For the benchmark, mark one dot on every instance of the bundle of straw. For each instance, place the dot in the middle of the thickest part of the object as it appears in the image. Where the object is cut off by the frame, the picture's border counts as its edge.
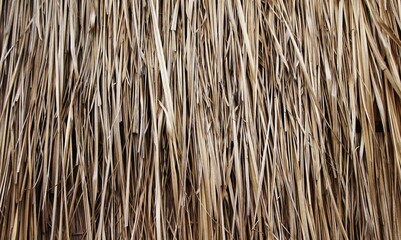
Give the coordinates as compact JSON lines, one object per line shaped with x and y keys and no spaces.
{"x":183,"y":119}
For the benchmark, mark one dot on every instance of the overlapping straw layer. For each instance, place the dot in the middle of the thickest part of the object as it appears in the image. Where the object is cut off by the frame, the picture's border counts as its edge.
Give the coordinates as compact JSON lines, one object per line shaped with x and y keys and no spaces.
{"x":200,"y":119}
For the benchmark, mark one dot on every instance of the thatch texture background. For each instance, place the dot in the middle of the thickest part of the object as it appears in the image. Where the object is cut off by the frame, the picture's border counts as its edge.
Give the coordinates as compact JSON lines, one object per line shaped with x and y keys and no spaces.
{"x":200,"y":119}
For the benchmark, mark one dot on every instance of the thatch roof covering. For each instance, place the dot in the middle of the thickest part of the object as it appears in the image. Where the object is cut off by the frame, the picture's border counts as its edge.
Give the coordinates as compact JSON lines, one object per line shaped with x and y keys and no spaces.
{"x":200,"y":119}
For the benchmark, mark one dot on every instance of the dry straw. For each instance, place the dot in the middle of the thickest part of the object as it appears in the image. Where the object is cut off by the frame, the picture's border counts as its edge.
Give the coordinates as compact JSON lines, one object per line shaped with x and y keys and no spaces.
{"x":200,"y":119}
